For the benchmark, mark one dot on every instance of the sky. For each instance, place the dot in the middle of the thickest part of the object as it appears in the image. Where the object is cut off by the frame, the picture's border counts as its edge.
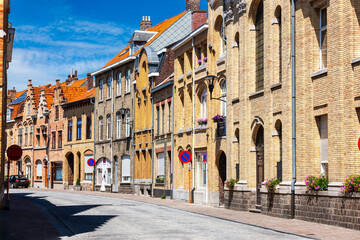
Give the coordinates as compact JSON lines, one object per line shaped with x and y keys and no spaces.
{"x":51,"y":37}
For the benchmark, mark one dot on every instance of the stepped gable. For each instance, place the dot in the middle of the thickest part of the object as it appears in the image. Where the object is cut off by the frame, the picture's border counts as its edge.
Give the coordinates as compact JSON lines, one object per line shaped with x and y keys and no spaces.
{"x":159,"y":28}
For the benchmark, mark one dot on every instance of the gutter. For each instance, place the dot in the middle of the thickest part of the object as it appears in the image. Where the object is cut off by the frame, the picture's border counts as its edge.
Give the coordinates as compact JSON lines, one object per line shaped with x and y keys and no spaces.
{"x":162,"y":86}
{"x":293,"y":90}
{"x":172,"y":143}
{"x":191,"y":35}
{"x":128,"y":59}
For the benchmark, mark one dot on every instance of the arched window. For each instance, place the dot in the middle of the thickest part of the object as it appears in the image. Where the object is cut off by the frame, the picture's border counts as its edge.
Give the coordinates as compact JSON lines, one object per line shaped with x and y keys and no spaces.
{"x":128,"y":82}
{"x":118,"y":125}
{"x":127,"y":122}
{"x":203,"y":106}
{"x":101,"y":128}
{"x":223,"y":97}
{"x":278,"y":17}
{"x":220,"y":38}
{"x":259,"y":26}
{"x":101,"y":90}
{"x":108,"y":83}
{"x":118,"y":85}
{"x":108,"y":126}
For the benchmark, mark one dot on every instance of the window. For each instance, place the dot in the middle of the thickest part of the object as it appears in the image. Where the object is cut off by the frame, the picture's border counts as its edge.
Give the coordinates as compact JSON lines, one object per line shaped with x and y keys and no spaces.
{"x":79,"y":129}
{"x":26,"y":136}
{"x":201,"y":169}
{"x":108,"y":127}
{"x":53,"y":140}
{"x":99,"y":172}
{"x":8,"y":114}
{"x":88,"y":127}
{"x":31,"y":135}
{"x":280,"y":43}
{"x":203,"y":107}
{"x":163,"y":119}
{"x":11,"y":138}
{"x":60,"y":139}
{"x":127,"y":122}
{"x":118,"y":85}
{"x":158,"y":120}
{"x":101,"y":90}
{"x":118,"y":125}
{"x":125,"y":169}
{"x":108,"y":83}
{"x":323,"y":38}
{"x":169,"y":122}
{"x":160,"y":167}
{"x":324,"y":144}
{"x":223,"y":40}
{"x":28,"y":109}
{"x":20,"y":137}
{"x":58,"y":171}
{"x":128,"y":81}
{"x":101,"y":128}
{"x":223,"y":97}
{"x":56,"y":112}
{"x":88,"y":169}
{"x":259,"y":26}
{"x":39,"y":169}
{"x":70,"y":130}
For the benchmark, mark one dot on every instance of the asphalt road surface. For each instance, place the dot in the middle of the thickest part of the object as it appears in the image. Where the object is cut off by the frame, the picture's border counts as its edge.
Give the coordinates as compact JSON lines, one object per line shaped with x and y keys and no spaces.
{"x":80,"y":216}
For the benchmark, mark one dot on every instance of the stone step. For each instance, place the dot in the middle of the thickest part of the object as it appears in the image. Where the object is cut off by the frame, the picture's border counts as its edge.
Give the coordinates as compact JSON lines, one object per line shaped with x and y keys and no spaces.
{"x":254,"y":210}
{"x":258,"y":206}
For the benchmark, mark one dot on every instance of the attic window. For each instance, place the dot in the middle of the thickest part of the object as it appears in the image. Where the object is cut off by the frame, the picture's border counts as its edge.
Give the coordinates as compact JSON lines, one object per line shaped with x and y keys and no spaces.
{"x":124,"y":52}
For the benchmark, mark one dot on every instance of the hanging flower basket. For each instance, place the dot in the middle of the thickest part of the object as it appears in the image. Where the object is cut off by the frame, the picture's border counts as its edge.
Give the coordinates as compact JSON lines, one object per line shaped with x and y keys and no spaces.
{"x":205,"y":60}
{"x":199,"y":61}
{"x":202,"y":121}
{"x":218,"y":118}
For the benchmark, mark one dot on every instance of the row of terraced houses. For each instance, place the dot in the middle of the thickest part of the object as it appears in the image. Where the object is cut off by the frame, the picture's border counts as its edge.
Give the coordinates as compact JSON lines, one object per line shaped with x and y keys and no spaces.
{"x":253,"y":89}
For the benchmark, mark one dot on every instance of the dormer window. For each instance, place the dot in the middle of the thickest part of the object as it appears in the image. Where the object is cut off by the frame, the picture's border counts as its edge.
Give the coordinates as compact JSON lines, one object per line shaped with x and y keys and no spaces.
{"x":131,"y":48}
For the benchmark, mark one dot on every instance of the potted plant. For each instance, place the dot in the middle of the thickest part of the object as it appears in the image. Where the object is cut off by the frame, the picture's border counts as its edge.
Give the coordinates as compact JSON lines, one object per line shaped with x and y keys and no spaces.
{"x":159,"y":180}
{"x":351,"y":184}
{"x":202,"y":121}
{"x":218,"y":118}
{"x":314,"y":183}
{"x":78,"y":186}
{"x":272,"y":183}
{"x":199,"y":62}
{"x":230,"y":183}
{"x":205,"y":60}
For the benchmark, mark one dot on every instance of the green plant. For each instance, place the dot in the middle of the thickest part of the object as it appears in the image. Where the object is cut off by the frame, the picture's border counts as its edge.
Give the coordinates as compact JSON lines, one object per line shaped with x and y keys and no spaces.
{"x":272,"y":183}
{"x":351,"y":184}
{"x":78,"y":182}
{"x":6,"y":175}
{"x":230,"y":183}
{"x":163,"y":196}
{"x":159,"y":180}
{"x":314,"y":183}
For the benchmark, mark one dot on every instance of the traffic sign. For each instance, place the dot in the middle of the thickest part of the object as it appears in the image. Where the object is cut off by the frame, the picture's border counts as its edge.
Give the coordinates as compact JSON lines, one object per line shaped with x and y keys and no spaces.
{"x":91,"y":162}
{"x":185,"y":156}
{"x":14,"y":152}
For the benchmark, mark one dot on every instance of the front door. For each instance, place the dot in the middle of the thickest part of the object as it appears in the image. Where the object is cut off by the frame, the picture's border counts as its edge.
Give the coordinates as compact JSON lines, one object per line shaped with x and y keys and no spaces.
{"x":71,"y":170}
{"x":222,"y":178}
{"x":259,"y":163}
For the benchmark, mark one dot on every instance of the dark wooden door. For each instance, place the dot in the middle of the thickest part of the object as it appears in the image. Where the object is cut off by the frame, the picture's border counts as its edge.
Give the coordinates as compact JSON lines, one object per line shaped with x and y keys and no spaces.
{"x":71,"y":170}
{"x":222,"y":178}
{"x":259,"y":163}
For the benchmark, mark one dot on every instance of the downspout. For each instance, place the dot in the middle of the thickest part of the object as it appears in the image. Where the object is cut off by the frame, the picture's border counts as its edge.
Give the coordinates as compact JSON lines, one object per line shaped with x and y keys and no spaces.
{"x":152,"y":142}
{"x":172,"y":142}
{"x":33,"y":153}
{"x":293,"y":109}
{"x":133,"y":134}
{"x":93,"y":185}
{"x":193,"y":115}
{"x":112,"y":127}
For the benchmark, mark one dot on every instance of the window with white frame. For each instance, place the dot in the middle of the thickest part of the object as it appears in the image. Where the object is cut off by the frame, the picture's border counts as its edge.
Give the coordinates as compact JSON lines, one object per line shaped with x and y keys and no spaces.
{"x":118,"y":125}
{"x":323,"y":38}
{"x":101,"y":90}
{"x":118,"y":85}
{"x":125,"y":169}
{"x":160,"y":173}
{"x":223,"y":98}
{"x":31,"y":135}
{"x":20,"y":137}
{"x":101,"y":128}
{"x":223,"y":40}
{"x":108,"y":84}
{"x":26,"y":136}
{"x":99,"y":172}
{"x":201,"y":169}
{"x":8,"y":114}
{"x":28,"y":109}
{"x":127,"y":122}
{"x":39,"y":169}
{"x":108,"y":126}
{"x":128,"y":81}
{"x":324,"y":144}
{"x":203,"y":106}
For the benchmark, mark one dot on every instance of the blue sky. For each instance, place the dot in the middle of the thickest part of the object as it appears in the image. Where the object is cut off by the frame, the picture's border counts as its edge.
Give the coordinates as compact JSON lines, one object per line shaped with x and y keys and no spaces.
{"x":54,"y":36}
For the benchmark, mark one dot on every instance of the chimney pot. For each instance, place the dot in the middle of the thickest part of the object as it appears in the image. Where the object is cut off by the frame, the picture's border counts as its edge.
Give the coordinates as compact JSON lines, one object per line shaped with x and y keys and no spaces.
{"x":192,"y":5}
{"x":145,"y":24}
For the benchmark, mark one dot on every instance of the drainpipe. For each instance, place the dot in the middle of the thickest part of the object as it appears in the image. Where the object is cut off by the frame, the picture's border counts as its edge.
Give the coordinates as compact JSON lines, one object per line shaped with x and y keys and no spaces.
{"x":33,"y":154}
{"x":152,"y":141}
{"x":133,"y":134}
{"x":293,"y":109}
{"x":193,"y":114}
{"x":93,"y":185}
{"x":172,"y":143}
{"x":112,"y":126}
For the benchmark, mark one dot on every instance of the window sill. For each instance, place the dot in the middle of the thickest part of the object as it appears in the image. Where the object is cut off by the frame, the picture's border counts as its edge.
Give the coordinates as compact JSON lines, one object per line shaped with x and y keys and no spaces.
{"x":118,"y":96}
{"x":221,"y":59}
{"x":276,"y":86}
{"x":127,"y":93}
{"x":319,"y":73}
{"x":58,"y":181}
{"x":201,"y":67}
{"x":355,"y":61}
{"x":181,"y":77}
{"x":235,"y":100}
{"x":189,"y":74}
{"x":108,"y":99}
{"x":181,"y":131}
{"x":101,"y":101}
{"x":257,"y":94}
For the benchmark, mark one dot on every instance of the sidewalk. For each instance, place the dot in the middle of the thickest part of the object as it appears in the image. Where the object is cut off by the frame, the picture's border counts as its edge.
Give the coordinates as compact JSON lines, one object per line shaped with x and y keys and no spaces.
{"x":25,"y":220}
{"x":298,"y":227}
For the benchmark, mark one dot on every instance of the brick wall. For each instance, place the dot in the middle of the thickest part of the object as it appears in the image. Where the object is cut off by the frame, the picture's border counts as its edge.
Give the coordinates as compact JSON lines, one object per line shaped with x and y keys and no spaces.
{"x":198,"y":18}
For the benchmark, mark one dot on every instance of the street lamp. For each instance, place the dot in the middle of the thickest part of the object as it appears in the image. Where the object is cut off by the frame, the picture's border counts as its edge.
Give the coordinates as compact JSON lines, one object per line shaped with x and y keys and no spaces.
{"x":210,"y":79}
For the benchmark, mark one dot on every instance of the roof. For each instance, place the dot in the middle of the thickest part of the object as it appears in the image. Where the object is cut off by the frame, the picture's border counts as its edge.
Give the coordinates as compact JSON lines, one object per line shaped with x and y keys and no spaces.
{"x":159,"y":29}
{"x":167,"y":82}
{"x":141,"y":36}
{"x":87,"y":95}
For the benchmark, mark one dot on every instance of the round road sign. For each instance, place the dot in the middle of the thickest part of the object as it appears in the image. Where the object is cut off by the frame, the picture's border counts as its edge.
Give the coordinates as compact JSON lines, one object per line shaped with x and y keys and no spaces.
{"x":14,"y":152}
{"x":91,"y":162}
{"x":185,"y":156}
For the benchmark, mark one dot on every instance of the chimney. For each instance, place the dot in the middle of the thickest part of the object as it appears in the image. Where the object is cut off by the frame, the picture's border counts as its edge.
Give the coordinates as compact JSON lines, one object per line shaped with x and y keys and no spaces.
{"x":146,"y":23}
{"x":198,"y":18}
{"x":11,"y":94}
{"x":192,"y":5}
{"x":57,"y":82}
{"x":29,"y":83}
{"x":76,"y":78}
{"x":90,"y":81}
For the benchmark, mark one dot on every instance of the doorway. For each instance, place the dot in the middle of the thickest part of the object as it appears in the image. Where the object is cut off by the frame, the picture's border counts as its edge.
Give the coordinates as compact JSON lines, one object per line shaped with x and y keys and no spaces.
{"x":259,"y":163}
{"x":70,"y":160}
{"x":116,"y":188}
{"x":222,"y":177}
